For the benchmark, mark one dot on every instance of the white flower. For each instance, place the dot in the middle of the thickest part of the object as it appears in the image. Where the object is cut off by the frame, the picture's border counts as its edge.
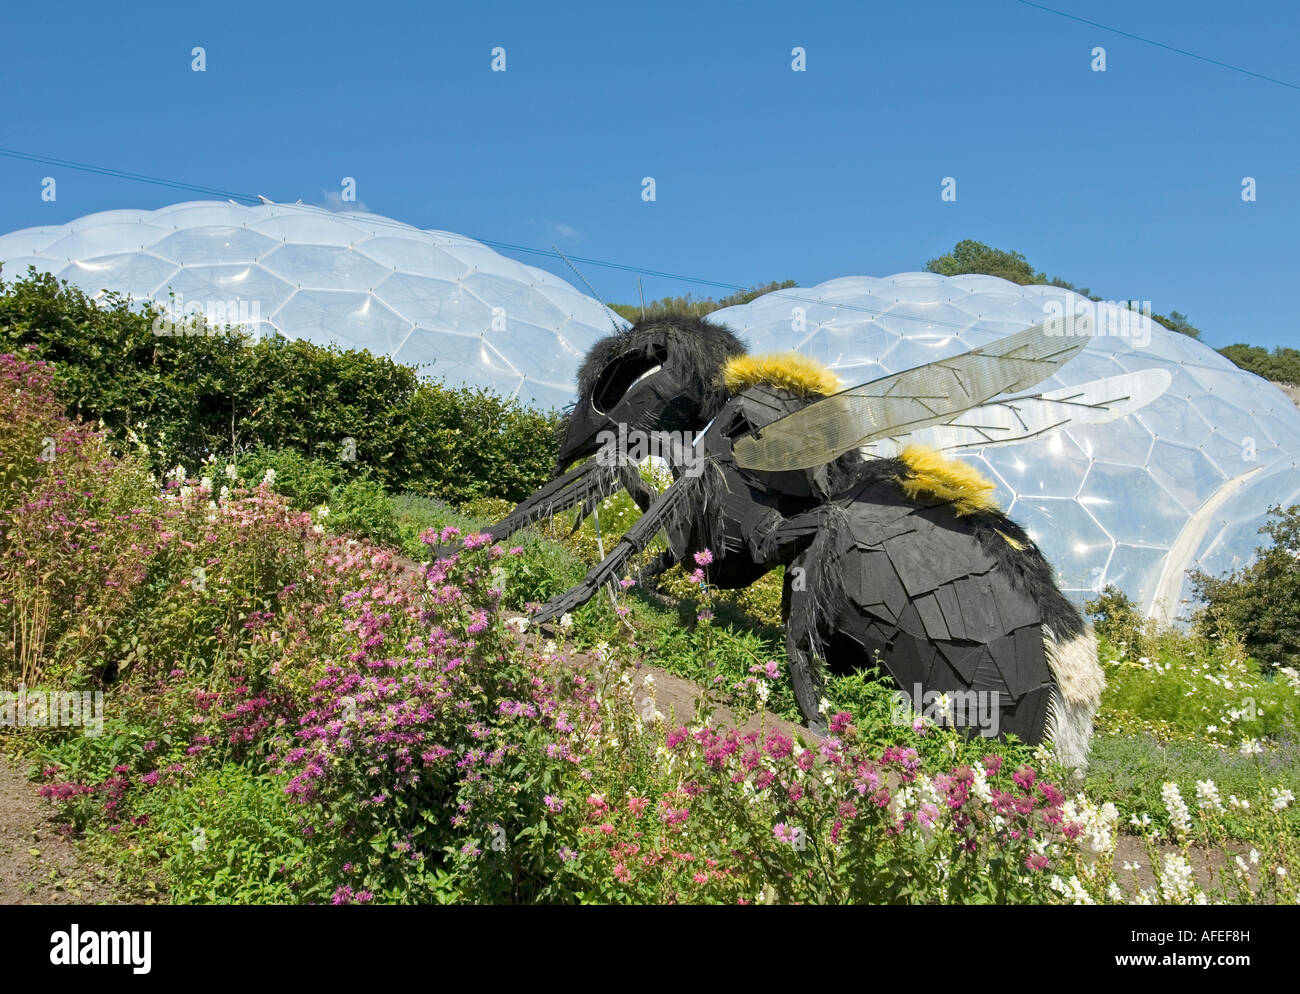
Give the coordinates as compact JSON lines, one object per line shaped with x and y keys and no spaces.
{"x":1251,"y":747}
{"x":232,"y":472}
{"x":1242,"y":805}
{"x":566,"y":622}
{"x":1176,"y":807}
{"x":823,"y":706}
{"x":1207,"y":795}
{"x":323,"y":511}
{"x":225,"y":494}
{"x":519,"y":624}
{"x":1113,"y":893}
{"x":1071,"y":889}
{"x":269,"y":477}
{"x":1177,"y":885}
{"x":1282,"y":798}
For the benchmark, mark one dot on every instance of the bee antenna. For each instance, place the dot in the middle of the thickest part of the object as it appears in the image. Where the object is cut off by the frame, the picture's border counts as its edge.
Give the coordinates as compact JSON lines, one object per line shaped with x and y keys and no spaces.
{"x":590,"y":288}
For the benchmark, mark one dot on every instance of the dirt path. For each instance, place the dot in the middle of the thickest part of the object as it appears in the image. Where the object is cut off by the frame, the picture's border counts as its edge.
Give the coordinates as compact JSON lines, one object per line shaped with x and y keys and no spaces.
{"x":38,"y":865}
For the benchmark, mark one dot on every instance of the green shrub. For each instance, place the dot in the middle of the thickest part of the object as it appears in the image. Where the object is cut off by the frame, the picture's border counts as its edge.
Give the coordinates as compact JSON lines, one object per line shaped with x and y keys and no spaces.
{"x":307,"y":482}
{"x":1260,"y":604}
{"x":361,"y":507}
{"x":229,"y":837}
{"x":184,"y":399}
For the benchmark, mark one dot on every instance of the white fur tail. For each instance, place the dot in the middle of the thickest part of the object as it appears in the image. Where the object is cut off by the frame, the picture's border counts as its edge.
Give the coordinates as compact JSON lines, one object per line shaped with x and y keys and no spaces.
{"x":1076,"y":697}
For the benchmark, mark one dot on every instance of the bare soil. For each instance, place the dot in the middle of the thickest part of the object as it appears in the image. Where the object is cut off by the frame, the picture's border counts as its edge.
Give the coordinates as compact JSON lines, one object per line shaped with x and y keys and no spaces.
{"x":38,"y":863}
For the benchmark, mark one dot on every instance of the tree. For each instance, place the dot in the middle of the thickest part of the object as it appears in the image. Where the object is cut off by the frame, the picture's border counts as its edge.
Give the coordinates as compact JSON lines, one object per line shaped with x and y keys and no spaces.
{"x":1260,"y":603}
{"x":970,"y":256}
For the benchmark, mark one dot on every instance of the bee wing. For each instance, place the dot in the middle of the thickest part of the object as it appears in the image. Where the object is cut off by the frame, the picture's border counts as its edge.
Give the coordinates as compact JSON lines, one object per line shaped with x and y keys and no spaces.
{"x":1001,"y":422}
{"x":916,"y":398}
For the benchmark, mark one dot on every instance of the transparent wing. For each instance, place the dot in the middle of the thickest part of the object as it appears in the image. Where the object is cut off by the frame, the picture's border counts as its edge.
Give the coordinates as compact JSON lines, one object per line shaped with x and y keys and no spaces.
{"x":916,"y":398}
{"x":1001,"y":422}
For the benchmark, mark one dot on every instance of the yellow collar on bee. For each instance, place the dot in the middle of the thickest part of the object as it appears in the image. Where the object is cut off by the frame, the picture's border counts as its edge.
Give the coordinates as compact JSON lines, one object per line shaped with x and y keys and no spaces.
{"x":932,"y":473}
{"x":792,"y":371}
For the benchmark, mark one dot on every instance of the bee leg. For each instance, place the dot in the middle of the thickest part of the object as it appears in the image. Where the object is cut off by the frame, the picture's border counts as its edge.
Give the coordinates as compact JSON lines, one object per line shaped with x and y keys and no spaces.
{"x":807,"y":687}
{"x":805,"y":679}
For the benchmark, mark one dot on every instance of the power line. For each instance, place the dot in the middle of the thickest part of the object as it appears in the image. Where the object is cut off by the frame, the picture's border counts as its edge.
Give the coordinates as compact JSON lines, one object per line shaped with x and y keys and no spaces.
{"x":1160,"y":44}
{"x":379,"y":221}
{"x":123,"y":174}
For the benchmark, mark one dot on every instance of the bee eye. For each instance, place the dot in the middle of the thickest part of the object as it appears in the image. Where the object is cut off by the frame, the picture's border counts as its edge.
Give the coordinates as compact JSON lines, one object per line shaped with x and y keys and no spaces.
{"x":624,"y":373}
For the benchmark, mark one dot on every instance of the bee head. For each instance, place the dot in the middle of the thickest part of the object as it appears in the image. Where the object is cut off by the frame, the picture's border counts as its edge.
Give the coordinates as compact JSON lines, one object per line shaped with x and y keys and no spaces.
{"x":662,"y":374}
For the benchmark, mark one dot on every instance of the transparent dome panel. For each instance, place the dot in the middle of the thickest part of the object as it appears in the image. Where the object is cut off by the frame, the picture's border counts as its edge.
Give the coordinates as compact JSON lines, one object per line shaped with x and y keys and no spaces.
{"x":246,"y":282}
{"x":134,"y":274}
{"x":322,"y":267}
{"x":214,"y":245}
{"x":358,"y":320}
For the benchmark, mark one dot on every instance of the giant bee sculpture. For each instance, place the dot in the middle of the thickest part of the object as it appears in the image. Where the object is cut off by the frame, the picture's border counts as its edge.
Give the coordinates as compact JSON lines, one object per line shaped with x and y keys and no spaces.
{"x":892,"y":551}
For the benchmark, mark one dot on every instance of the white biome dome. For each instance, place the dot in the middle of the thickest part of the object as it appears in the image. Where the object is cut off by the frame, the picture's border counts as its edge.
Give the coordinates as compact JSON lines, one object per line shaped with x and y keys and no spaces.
{"x":358,"y":280}
{"x":1184,"y":482}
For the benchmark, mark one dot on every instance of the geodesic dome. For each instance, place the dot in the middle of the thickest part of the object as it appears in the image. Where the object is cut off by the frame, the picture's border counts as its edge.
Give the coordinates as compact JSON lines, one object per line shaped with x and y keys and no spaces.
{"x":358,"y":280}
{"x":1184,"y":482}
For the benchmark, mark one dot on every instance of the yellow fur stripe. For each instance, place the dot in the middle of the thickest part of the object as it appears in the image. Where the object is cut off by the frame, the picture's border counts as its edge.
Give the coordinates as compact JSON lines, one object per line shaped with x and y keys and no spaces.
{"x":792,"y":371}
{"x":930,"y":472}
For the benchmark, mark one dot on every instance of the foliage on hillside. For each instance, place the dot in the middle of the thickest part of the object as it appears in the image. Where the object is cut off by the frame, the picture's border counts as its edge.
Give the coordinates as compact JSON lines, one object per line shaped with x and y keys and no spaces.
{"x":698,"y":307}
{"x":1282,"y":365}
{"x":970,"y":256}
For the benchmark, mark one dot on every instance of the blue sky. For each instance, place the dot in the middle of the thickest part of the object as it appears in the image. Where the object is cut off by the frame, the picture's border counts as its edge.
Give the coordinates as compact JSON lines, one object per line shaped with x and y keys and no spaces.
{"x":1127,"y":181}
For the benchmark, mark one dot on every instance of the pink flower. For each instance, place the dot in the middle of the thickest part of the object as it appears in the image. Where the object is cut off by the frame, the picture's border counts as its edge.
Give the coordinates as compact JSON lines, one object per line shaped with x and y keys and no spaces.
{"x":703,"y":557}
{"x":783,"y":832}
{"x":779,"y":746}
